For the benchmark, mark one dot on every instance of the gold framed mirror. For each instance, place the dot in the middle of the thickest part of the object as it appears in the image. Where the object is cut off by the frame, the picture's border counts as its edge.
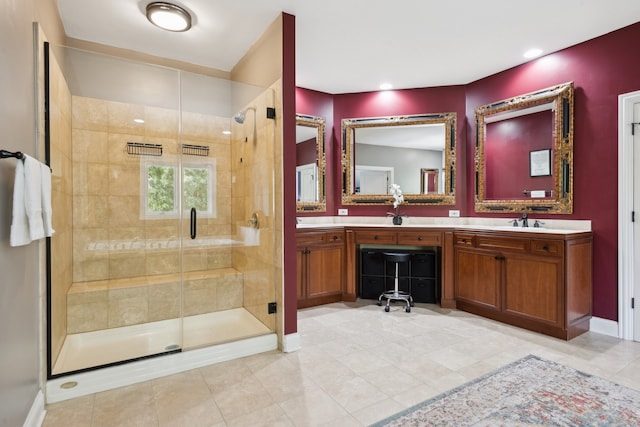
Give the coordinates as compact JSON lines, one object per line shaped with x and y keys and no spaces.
{"x":380,"y":151}
{"x":310,"y":164}
{"x":524,"y":153}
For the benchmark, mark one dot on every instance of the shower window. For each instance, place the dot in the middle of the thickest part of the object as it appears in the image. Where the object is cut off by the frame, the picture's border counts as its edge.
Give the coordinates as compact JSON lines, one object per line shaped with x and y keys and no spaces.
{"x":159,"y":194}
{"x":161,"y":190}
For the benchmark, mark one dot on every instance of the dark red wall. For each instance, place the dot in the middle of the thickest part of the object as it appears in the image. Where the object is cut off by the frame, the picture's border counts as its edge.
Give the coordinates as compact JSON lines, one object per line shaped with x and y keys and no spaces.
{"x":288,"y":117}
{"x":320,"y":104}
{"x":450,"y":99}
{"x":601,"y":69}
{"x":306,"y":152}
{"x":511,"y":141}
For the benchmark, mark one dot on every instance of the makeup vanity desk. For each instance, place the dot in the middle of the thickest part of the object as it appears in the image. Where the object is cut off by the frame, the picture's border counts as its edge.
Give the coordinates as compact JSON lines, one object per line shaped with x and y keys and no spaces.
{"x":535,"y":278}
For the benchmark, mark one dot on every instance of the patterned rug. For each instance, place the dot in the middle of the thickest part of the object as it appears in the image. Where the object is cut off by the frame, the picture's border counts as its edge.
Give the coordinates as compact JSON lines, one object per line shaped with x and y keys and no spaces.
{"x":529,"y":392}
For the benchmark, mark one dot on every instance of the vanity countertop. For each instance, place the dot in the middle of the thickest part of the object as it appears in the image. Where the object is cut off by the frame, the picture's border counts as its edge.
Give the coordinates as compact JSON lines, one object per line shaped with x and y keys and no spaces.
{"x":549,"y":226}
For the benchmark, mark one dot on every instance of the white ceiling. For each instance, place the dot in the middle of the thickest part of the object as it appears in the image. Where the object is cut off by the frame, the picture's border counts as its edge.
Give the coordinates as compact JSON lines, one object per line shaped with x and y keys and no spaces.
{"x":345,"y":46}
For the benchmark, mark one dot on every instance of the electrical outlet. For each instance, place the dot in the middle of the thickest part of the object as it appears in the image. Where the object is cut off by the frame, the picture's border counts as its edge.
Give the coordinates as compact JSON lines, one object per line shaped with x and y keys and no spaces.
{"x":343,"y":212}
{"x":454,"y":213}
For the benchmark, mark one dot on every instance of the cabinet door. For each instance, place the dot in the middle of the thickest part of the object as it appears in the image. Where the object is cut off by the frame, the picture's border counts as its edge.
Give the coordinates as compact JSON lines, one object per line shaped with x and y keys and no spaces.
{"x":301,"y":272}
{"x":533,"y":288}
{"x":325,"y":267}
{"x":477,"y":278}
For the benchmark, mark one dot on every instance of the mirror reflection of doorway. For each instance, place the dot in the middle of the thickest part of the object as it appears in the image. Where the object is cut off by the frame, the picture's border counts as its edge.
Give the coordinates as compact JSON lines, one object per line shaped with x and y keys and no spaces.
{"x":429,"y":181}
{"x":306,"y":183}
{"x":373,"y":179}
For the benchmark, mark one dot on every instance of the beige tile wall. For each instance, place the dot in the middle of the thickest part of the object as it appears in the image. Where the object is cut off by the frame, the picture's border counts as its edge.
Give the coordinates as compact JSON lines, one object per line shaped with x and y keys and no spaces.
{"x":106,"y":208}
{"x":118,"y":279}
{"x":61,"y":202}
{"x":255,"y":166}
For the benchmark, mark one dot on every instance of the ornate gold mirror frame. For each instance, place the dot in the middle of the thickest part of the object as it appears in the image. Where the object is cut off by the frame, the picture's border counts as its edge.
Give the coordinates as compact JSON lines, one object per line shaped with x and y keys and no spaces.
{"x":392,"y":131}
{"x":558,"y":100}
{"x":318,"y":202}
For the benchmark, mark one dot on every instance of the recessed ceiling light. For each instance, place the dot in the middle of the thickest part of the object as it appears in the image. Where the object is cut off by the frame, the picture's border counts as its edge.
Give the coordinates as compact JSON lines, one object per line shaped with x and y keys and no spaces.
{"x":532,"y":53}
{"x":226,"y":132}
{"x":168,"y":16}
{"x":385,"y":86}
{"x":138,"y":121}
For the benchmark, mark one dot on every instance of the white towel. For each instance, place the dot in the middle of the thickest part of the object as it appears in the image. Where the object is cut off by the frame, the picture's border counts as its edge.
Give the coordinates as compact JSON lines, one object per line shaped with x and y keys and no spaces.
{"x":31,"y":192}
{"x":19,"y":225}
{"x":33,"y":196}
{"x":46,"y":200}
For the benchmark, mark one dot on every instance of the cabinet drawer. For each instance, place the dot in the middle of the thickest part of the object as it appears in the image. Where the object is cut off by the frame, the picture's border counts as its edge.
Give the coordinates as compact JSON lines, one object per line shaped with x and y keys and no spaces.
{"x":503,"y":244}
{"x":308,"y":238}
{"x":461,"y":239}
{"x":334,"y":237}
{"x":375,"y":237}
{"x":420,"y":238}
{"x":546,"y":247}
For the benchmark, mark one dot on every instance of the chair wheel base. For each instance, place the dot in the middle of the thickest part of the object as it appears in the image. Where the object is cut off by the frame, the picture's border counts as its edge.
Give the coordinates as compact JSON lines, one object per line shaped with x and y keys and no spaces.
{"x":387,"y":309}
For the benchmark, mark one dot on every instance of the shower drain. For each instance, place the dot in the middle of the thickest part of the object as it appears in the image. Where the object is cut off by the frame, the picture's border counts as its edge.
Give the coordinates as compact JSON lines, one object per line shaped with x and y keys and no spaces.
{"x":172,"y":347}
{"x":68,"y":385}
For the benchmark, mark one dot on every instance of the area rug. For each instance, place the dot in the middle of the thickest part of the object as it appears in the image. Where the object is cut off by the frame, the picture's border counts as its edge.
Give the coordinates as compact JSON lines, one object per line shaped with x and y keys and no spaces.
{"x":529,"y":392}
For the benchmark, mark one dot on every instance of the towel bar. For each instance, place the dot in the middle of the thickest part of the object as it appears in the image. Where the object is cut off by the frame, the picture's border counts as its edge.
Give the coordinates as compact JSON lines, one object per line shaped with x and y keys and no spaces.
{"x":4,"y":154}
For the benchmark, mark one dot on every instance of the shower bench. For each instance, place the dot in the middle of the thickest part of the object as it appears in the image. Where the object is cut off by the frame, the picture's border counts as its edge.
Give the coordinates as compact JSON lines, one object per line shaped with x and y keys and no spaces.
{"x":113,"y":303}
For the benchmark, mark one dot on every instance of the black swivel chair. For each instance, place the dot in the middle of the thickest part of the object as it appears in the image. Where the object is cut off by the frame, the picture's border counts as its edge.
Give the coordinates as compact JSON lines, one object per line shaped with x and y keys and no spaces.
{"x":395,"y":294}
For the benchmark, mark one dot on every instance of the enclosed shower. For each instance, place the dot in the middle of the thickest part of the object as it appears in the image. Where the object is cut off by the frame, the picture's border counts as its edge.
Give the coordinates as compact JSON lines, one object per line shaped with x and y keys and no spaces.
{"x":165,"y":215}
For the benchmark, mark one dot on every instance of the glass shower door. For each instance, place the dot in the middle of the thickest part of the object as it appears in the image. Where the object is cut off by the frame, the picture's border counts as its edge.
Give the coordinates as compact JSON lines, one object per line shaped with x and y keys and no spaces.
{"x":115,"y":280}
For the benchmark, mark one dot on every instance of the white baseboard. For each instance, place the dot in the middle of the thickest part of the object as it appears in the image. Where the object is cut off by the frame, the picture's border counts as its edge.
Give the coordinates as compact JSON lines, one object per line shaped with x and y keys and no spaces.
{"x":37,"y":412}
{"x":291,"y":343}
{"x":604,"y":326}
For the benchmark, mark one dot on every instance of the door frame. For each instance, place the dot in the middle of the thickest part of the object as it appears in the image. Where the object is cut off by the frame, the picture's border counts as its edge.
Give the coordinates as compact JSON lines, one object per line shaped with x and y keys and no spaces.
{"x":625,"y":207}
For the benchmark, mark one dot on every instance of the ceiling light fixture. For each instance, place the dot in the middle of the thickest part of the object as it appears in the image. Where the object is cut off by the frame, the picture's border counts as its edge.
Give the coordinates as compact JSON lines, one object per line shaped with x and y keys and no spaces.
{"x":385,"y":86}
{"x":532,"y":53}
{"x":168,"y":16}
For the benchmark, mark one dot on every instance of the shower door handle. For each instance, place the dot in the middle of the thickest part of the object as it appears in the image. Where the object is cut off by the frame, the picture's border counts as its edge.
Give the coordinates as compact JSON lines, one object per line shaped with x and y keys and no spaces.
{"x":193,"y":223}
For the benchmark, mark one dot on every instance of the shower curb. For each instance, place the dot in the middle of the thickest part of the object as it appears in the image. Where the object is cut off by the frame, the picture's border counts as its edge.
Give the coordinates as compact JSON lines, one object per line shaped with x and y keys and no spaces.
{"x":148,"y":369}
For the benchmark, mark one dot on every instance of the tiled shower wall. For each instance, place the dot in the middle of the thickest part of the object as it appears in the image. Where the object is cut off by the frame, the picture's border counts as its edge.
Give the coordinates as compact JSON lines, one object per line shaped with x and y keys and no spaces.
{"x":256,"y":166}
{"x":108,"y":229}
{"x":125,"y":268}
{"x":61,"y":202}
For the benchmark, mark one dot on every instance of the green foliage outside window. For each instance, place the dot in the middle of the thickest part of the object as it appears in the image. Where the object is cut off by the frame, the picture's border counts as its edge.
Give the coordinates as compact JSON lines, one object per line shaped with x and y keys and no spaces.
{"x":196,"y":185}
{"x":161,"y":188}
{"x":162,"y":185}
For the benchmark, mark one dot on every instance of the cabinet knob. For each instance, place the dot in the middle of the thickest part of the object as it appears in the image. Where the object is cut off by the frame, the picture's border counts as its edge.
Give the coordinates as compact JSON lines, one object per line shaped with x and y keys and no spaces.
{"x":375,"y":237}
{"x":419,"y":238}
{"x":545,"y":248}
{"x":335,"y":237}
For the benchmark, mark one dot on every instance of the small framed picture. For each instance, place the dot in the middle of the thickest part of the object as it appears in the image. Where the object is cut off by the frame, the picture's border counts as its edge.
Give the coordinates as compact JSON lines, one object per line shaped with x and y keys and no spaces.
{"x":540,"y":163}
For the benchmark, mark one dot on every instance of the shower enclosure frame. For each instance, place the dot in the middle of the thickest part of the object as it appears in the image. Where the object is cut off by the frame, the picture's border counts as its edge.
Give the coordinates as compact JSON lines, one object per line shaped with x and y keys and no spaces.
{"x":49,"y":359}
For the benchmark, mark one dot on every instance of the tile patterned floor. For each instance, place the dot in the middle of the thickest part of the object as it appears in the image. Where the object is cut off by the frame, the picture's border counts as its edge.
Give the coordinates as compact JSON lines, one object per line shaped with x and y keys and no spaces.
{"x":357,"y":365}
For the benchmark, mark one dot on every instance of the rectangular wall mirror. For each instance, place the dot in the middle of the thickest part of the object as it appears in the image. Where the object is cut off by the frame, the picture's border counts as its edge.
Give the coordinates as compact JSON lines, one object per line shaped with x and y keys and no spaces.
{"x":310,"y":164}
{"x":524,"y":153}
{"x":416,"y":152}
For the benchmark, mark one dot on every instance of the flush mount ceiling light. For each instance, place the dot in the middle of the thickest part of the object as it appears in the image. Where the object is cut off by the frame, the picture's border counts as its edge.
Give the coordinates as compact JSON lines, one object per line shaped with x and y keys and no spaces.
{"x":532,"y":53}
{"x":168,"y":16}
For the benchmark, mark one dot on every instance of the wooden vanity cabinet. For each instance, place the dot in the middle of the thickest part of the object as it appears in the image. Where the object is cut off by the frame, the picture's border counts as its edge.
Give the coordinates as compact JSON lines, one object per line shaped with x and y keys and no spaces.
{"x":538,"y":282}
{"x":320,"y":266}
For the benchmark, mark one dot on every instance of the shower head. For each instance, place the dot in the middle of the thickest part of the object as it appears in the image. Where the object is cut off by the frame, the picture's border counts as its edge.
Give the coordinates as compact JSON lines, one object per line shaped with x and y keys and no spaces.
{"x":239,"y":118}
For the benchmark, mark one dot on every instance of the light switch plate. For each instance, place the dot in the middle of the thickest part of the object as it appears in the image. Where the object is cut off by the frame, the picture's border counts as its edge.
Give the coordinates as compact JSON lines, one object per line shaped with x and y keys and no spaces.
{"x":343,"y":212}
{"x":454,"y":213}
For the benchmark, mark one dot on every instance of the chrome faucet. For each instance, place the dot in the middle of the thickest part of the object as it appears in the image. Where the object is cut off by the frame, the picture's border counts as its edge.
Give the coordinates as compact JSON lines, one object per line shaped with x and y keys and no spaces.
{"x":524,"y":219}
